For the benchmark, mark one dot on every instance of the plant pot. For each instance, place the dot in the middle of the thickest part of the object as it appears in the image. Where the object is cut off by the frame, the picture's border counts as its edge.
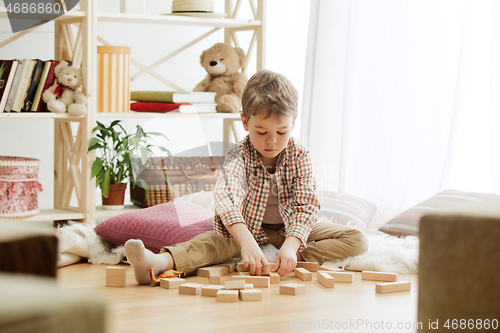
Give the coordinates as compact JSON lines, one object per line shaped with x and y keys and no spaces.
{"x":116,"y":197}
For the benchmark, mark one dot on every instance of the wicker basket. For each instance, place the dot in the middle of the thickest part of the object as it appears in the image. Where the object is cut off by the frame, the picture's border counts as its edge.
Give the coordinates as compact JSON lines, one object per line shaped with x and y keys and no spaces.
{"x":186,"y":174}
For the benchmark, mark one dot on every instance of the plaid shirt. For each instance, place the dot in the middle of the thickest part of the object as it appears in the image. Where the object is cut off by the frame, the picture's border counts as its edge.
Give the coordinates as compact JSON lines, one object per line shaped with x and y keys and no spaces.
{"x":242,"y":191}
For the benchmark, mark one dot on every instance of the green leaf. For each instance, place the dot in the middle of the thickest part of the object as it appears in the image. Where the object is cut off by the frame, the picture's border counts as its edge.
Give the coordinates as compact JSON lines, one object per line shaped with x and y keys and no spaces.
{"x":105,"y":183}
{"x":94,"y":141}
{"x":139,"y":132}
{"x":144,"y":185}
{"x":114,"y":123}
{"x":168,"y":154}
{"x":159,"y":134}
{"x":170,"y":186}
{"x":144,"y":155}
{"x":96,"y":167}
{"x":135,"y":142}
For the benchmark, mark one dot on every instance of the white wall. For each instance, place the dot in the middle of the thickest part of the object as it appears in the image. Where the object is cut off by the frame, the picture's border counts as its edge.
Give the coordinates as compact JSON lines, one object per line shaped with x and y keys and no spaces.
{"x":287,"y":24}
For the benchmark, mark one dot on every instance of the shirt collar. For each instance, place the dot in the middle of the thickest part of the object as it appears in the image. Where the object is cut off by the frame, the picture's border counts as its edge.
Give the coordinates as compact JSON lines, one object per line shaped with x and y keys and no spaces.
{"x":255,"y":161}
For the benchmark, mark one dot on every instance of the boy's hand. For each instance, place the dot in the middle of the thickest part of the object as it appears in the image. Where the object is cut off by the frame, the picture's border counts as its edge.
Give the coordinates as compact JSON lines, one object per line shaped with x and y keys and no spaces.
{"x":250,"y":251}
{"x":286,"y":261}
{"x":252,"y":256}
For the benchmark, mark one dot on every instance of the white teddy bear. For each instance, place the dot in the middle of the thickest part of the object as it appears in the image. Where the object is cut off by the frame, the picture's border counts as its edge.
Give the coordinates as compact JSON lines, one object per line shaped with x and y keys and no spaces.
{"x":66,"y":93}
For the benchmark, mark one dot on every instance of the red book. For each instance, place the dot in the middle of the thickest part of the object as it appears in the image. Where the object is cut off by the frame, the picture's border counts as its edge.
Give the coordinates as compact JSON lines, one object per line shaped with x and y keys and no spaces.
{"x":156,"y":106}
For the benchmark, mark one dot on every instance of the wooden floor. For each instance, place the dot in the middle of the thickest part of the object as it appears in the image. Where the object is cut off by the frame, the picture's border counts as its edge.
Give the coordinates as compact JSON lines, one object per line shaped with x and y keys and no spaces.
{"x":346,"y":308}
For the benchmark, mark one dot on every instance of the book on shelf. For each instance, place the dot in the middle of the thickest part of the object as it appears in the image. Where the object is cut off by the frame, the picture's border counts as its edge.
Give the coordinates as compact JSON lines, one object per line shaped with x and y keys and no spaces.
{"x":35,"y":79}
{"x":15,"y":84}
{"x":23,"y":86}
{"x":32,"y":77}
{"x":8,"y":70}
{"x":173,"y":107}
{"x":39,"y":87}
{"x":49,"y":82}
{"x":172,"y":96}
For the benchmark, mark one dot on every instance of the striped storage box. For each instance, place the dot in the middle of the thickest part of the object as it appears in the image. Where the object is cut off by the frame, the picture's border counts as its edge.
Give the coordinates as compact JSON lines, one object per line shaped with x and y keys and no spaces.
{"x":113,"y":82}
{"x":19,"y":186}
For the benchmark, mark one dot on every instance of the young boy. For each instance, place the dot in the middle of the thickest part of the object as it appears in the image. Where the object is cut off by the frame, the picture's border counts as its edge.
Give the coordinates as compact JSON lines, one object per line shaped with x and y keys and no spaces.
{"x":266,"y":193}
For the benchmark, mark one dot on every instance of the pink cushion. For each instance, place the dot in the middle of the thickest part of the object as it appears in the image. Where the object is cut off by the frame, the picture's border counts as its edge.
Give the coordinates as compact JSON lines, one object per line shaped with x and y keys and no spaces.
{"x":158,"y":226}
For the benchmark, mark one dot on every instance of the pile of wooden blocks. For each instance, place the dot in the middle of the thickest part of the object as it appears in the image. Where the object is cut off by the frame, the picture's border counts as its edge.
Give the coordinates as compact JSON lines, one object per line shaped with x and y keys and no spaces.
{"x":244,"y":286}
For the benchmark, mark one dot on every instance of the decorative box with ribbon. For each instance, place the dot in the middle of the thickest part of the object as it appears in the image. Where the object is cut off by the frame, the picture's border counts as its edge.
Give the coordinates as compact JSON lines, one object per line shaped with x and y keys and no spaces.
{"x":186,"y":175}
{"x":19,"y":186}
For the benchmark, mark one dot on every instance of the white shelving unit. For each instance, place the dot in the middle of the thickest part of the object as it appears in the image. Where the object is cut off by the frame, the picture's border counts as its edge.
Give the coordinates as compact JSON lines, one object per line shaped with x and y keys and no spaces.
{"x":72,"y":163}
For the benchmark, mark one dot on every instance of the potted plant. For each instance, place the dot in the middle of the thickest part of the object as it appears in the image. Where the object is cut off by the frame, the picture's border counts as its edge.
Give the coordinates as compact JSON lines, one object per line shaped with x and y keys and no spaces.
{"x":121,"y":157}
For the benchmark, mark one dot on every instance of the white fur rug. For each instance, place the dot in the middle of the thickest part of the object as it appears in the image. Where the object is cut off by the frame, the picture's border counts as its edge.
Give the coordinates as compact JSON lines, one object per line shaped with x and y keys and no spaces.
{"x":385,"y":254}
{"x":79,"y":240}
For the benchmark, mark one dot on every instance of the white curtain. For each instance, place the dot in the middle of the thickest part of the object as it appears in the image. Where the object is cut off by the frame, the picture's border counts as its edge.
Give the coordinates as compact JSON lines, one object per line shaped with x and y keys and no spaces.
{"x":402,"y":98}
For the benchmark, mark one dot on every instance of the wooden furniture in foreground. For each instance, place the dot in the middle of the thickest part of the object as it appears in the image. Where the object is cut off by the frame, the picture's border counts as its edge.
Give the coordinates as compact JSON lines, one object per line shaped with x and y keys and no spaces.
{"x":449,"y":291}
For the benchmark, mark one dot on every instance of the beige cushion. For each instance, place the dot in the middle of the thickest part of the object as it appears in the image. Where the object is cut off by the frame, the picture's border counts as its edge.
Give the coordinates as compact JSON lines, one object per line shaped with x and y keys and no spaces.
{"x":35,"y":304}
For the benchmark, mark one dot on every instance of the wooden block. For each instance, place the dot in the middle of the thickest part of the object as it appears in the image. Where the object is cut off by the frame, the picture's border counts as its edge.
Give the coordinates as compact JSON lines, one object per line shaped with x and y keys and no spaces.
{"x":207,"y":271}
{"x":211,"y":290}
{"x":269,"y":269}
{"x":248,"y":286}
{"x":275,"y":278}
{"x":346,"y":277}
{"x":379,"y":276}
{"x":326,"y":280}
{"x":227,"y":296}
{"x":241,"y":268}
{"x":203,"y":271}
{"x":171,"y":283}
{"x":116,"y":277}
{"x":214,"y":277}
{"x":310,"y":266}
{"x":223,"y":270}
{"x":190,"y":288}
{"x":392,"y":287}
{"x":235,"y":285}
{"x":257,"y":281}
{"x":230,"y":267}
{"x":251,"y":295}
{"x":303,"y":274}
{"x":321,"y":268}
{"x":292,"y":289}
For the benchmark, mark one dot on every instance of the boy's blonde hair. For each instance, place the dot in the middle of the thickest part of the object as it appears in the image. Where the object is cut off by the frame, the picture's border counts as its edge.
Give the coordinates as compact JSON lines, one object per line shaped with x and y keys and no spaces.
{"x":269,"y":94}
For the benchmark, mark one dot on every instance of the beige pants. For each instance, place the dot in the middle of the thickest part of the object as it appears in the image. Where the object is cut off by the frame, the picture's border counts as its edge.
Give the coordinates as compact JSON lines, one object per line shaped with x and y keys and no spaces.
{"x":326,"y":242}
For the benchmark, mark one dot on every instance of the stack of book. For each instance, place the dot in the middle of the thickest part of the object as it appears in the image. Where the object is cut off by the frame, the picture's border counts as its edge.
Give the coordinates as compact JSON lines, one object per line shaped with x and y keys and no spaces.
{"x":22,"y":83}
{"x":170,"y":101}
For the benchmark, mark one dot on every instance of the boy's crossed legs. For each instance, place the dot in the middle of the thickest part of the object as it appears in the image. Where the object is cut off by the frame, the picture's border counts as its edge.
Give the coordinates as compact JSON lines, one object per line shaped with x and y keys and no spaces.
{"x":326,"y":242}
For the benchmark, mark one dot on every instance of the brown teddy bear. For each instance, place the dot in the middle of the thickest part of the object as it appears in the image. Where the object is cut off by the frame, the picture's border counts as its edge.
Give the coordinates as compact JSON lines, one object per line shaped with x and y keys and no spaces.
{"x":66,"y":94}
{"x":222,"y":63}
